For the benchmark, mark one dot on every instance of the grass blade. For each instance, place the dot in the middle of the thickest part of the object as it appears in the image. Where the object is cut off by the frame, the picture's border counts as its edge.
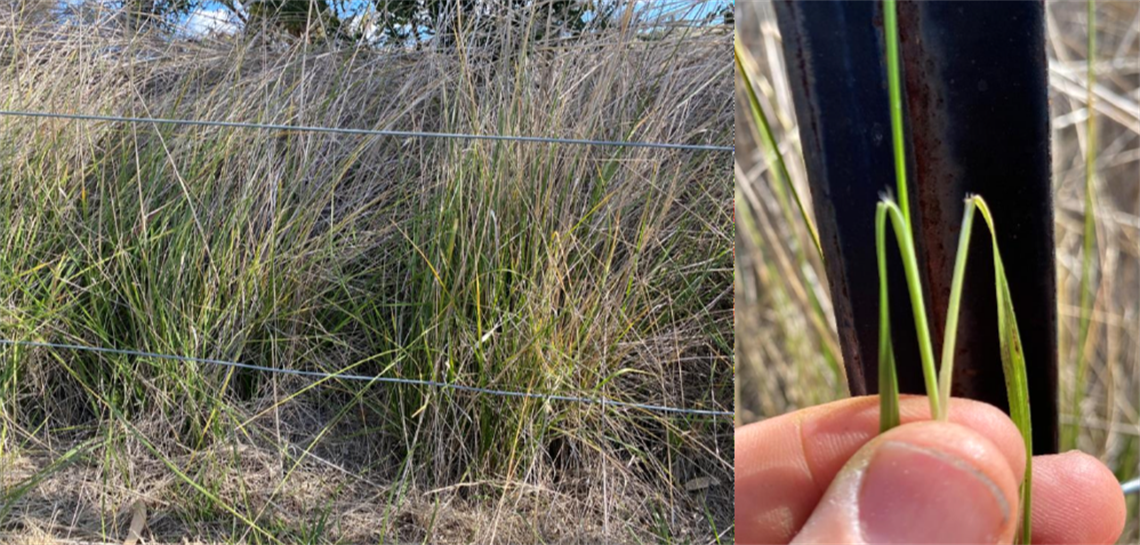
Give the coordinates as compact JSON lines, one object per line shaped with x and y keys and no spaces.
{"x":888,"y":378}
{"x":1013,"y":365}
{"x":891,"y":30}
{"x":900,"y":219}
{"x":771,"y":150}
{"x":890,"y":209}
{"x":950,"y":337}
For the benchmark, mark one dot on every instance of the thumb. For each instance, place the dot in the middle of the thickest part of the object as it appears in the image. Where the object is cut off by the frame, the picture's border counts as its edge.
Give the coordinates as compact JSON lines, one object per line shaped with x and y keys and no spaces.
{"x":927,"y":482}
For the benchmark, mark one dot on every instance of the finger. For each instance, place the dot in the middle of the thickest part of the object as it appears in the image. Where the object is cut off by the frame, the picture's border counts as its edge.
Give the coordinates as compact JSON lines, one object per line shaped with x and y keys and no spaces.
{"x":1076,"y":499}
{"x":784,"y":464}
{"x":925,"y":482}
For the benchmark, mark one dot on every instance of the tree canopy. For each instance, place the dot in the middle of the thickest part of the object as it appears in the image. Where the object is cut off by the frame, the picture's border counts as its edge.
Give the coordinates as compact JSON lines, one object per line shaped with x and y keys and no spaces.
{"x":401,"y":22}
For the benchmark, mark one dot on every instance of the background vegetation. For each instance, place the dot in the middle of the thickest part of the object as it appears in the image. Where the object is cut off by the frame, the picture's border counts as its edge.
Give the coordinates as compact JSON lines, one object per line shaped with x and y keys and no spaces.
{"x":786,"y":345}
{"x":573,"y":270}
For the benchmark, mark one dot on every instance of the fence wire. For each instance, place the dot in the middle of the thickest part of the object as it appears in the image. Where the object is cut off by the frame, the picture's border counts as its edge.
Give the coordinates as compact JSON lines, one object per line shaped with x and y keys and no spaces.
{"x":1131,"y":487}
{"x":367,"y":132}
{"x":372,"y":378}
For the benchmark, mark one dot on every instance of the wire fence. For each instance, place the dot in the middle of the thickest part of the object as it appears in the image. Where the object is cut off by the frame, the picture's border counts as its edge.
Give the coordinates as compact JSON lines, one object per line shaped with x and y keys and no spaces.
{"x":370,"y":378}
{"x":366,"y":132}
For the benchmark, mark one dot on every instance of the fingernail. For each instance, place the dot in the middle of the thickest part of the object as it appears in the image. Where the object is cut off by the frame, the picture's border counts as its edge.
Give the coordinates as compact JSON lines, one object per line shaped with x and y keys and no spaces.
{"x":912,"y":494}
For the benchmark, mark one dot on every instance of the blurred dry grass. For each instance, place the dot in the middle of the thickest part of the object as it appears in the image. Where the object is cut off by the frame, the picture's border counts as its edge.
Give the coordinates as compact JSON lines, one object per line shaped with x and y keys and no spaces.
{"x":782,"y":356}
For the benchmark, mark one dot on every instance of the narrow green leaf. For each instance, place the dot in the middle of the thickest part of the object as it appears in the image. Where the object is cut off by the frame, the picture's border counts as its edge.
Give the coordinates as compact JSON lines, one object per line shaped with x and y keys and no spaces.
{"x":894,"y":91}
{"x":950,"y":336}
{"x":888,"y":379}
{"x":772,"y":151}
{"x":918,"y":305}
{"x":889,"y":209}
{"x":1013,"y":365}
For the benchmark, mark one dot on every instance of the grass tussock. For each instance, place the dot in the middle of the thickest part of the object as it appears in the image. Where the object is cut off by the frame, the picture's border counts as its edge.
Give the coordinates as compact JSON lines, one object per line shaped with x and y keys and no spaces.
{"x":557,"y":269}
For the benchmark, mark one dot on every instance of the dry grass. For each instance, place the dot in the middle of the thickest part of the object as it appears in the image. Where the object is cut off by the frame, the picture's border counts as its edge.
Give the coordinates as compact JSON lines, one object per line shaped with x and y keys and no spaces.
{"x":569,"y":270}
{"x":782,"y":357}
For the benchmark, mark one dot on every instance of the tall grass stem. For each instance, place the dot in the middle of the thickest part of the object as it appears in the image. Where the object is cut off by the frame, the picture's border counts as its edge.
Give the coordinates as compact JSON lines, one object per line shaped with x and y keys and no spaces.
{"x":891,"y":28}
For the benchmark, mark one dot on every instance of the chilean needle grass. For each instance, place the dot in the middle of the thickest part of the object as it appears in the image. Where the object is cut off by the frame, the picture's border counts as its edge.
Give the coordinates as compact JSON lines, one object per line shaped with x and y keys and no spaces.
{"x":938,"y":384}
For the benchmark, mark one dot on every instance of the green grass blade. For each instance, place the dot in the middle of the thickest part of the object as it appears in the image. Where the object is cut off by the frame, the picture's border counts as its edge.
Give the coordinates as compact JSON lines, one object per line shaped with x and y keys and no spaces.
{"x":891,"y":31}
{"x":772,"y":151}
{"x":888,"y":379}
{"x":918,"y":304}
{"x":950,"y":337}
{"x":900,"y":219}
{"x":1013,"y":365}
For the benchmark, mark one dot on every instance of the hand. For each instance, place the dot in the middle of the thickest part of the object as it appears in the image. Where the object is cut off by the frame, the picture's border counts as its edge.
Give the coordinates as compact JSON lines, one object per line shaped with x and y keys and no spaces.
{"x":825,"y":475}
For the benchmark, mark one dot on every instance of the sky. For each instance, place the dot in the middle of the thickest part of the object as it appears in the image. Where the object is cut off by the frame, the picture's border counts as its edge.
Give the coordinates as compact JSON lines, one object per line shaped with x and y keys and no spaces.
{"x":211,"y":17}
